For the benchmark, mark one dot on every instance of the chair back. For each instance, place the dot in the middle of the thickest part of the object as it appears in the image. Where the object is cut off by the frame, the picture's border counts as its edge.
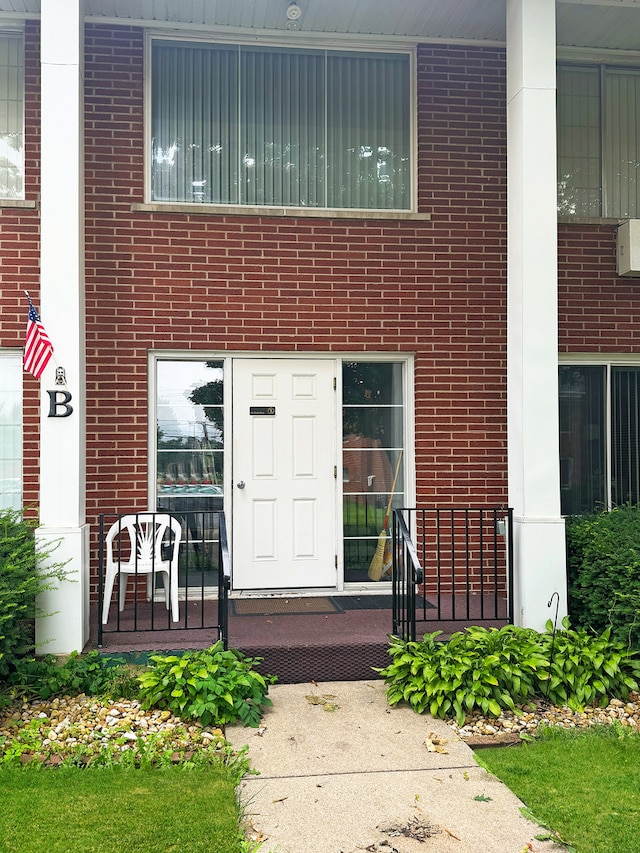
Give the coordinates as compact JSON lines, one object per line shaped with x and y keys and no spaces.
{"x":147,"y":532}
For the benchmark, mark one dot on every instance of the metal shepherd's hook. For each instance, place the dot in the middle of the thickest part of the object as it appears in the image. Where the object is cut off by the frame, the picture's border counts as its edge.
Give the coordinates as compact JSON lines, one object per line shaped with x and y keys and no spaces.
{"x":555,"y":595}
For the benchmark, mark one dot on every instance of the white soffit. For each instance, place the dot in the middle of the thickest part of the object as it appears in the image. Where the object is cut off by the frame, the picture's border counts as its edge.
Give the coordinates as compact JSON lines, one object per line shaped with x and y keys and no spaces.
{"x":596,"y":24}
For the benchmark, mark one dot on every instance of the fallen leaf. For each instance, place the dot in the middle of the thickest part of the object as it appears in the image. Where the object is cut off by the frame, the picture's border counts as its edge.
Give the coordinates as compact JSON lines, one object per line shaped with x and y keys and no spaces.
{"x":315,"y":700}
{"x":281,"y":800}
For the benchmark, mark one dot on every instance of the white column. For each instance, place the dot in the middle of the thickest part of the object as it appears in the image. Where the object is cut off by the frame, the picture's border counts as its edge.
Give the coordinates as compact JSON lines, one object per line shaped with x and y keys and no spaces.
{"x":532,"y":333}
{"x":62,"y":439}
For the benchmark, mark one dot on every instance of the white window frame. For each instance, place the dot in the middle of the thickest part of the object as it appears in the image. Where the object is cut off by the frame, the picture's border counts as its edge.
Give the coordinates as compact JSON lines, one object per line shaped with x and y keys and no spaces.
{"x":16,"y":357}
{"x":381,"y":46}
{"x":616,"y":64}
{"x":408,"y":389}
{"x":7,"y":200}
{"x":608,"y":361}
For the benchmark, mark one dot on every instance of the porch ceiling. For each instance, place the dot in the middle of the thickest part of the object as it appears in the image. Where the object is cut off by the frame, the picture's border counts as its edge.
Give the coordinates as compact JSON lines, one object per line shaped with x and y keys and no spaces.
{"x":596,"y":24}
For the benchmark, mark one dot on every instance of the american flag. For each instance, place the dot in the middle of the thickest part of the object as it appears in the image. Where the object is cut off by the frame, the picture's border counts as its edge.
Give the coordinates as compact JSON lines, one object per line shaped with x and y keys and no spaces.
{"x":37,"y":347}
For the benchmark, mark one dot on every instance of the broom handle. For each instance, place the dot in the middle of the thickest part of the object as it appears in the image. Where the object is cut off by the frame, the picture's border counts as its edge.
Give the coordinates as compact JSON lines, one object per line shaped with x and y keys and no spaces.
{"x":393,"y":488}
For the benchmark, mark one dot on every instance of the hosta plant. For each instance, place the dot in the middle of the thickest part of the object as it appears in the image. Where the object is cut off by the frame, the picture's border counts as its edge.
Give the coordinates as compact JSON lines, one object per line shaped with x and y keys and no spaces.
{"x":215,"y":686}
{"x":481,"y":669}
{"x":492,"y":670}
{"x":584,"y":669}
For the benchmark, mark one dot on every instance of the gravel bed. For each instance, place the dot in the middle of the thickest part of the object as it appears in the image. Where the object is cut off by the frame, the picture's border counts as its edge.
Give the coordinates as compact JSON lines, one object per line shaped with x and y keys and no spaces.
{"x":510,"y":727}
{"x":90,"y":728}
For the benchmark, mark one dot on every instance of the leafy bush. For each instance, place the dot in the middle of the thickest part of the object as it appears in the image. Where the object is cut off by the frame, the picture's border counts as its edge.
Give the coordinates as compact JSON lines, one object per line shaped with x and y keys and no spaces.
{"x":215,"y":686}
{"x":603,"y":562}
{"x":20,"y":583}
{"x":492,"y":670}
{"x":91,"y":674}
{"x":583,"y":669}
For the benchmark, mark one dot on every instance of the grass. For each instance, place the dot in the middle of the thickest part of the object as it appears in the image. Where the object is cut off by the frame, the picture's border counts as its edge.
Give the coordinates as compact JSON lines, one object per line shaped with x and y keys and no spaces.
{"x":102,"y":809}
{"x":585,"y":784}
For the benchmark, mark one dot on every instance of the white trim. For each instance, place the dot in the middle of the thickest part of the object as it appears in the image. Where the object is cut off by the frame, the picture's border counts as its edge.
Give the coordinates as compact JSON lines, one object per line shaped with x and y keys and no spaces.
{"x":608,"y":361}
{"x":631,"y":359}
{"x":227,"y":357}
{"x":17,"y":354}
{"x":188,"y":208}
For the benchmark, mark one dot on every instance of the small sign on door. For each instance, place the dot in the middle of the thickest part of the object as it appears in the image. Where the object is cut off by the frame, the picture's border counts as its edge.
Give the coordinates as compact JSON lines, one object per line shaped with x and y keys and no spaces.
{"x":262,"y":410}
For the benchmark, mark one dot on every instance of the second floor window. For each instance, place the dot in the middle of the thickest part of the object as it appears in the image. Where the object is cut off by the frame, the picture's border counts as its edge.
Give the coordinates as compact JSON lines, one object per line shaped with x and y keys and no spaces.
{"x":11,"y":116}
{"x":247,"y":125}
{"x":599,"y":141}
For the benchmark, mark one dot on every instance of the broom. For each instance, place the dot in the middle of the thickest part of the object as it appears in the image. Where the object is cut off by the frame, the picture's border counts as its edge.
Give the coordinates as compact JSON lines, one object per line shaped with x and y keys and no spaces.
{"x":377,"y":566}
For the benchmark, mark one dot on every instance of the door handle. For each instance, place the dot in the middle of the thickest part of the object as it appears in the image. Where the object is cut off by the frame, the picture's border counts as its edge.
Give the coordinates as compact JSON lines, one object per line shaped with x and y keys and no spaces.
{"x":240,"y":484}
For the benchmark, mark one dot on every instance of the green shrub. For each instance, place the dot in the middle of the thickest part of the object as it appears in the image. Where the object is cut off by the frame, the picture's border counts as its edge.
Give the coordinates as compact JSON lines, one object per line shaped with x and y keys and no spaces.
{"x":20,"y":583}
{"x":91,"y":674}
{"x":215,"y":686}
{"x":603,"y":562}
{"x":583,"y":669}
{"x":493,"y":670}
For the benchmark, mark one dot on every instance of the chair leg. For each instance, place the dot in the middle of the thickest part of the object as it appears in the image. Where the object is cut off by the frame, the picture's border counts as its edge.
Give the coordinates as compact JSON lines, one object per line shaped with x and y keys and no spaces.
{"x":175,"y":611}
{"x":107,"y":593}
{"x":122,"y":582}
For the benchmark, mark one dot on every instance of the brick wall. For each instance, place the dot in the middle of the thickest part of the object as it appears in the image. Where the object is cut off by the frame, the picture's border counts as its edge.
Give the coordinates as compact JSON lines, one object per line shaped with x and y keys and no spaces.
{"x":215,"y":282}
{"x":599,"y":311}
{"x":270,"y":284}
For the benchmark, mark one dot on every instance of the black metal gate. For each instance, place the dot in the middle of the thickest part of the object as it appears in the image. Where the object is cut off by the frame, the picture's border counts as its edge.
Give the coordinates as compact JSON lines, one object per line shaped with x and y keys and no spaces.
{"x":452,"y":565}
{"x":161,"y":571}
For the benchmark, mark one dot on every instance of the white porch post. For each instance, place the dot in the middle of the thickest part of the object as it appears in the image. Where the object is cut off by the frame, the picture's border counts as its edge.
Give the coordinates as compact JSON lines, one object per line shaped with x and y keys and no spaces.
{"x":532,"y":347}
{"x":62,"y":436}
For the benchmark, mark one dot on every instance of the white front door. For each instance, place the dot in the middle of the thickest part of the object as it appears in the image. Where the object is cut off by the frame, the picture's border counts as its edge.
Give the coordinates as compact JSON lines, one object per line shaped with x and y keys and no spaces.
{"x":284,"y":473}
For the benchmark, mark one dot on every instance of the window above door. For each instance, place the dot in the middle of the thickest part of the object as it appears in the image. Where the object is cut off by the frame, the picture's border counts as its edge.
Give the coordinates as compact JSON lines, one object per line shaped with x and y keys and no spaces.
{"x":248,"y":125}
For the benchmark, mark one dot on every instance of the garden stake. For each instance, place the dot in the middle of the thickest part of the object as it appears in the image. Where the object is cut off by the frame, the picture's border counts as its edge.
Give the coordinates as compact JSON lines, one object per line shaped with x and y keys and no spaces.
{"x":553,"y":637}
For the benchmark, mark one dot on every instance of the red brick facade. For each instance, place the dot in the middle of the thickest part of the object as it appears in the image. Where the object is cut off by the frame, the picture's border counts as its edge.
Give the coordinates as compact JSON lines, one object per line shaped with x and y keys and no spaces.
{"x":206,"y":282}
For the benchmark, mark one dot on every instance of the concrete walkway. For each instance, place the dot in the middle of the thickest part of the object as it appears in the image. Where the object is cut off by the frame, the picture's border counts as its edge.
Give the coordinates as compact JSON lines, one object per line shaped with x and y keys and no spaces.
{"x":341,"y":772}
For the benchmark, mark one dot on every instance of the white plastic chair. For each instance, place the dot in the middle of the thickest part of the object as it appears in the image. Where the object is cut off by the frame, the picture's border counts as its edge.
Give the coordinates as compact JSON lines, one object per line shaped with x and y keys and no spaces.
{"x":147,"y":536}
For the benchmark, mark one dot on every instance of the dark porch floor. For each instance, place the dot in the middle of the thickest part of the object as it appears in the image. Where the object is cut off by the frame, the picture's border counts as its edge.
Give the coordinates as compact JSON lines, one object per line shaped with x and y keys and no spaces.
{"x":332,"y":646}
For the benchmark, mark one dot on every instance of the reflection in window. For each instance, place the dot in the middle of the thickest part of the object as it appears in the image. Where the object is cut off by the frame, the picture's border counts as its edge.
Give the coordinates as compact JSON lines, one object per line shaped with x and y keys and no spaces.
{"x":10,"y":431}
{"x":582,"y":438}
{"x":189,"y":461}
{"x":257,"y":125}
{"x":599,"y":417}
{"x":598,"y":143}
{"x":190,"y":435}
{"x":373,"y":440}
{"x":11,"y":116}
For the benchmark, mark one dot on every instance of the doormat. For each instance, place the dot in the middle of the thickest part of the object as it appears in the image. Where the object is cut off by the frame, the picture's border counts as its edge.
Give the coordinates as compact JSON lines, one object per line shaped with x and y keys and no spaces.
{"x":282,"y":606}
{"x":373,"y":602}
{"x":363,"y":602}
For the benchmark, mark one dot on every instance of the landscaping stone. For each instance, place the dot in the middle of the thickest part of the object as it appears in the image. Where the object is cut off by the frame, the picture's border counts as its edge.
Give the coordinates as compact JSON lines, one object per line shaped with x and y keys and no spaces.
{"x":71,"y":723}
{"x":510,"y":727}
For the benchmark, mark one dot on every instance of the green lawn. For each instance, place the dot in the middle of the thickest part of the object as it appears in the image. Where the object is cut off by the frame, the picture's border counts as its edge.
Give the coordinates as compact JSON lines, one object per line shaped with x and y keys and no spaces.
{"x":107,"y":809}
{"x":586,"y":785}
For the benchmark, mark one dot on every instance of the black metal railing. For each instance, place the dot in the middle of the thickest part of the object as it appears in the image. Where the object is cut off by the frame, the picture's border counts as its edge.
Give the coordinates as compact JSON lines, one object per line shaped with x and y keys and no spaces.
{"x":161,"y":571}
{"x":466,"y":557}
{"x":407,"y":575}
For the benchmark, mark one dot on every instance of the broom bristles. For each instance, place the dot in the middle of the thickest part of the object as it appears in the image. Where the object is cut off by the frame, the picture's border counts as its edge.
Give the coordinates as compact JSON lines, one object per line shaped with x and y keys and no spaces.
{"x":375,"y":568}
